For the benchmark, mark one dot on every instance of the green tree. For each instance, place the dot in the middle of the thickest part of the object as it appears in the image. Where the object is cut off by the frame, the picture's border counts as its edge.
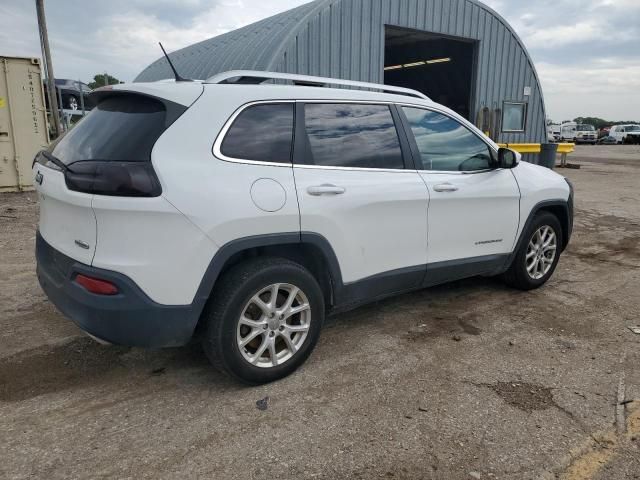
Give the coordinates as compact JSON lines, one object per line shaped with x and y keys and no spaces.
{"x":99,"y":81}
{"x":600,"y":122}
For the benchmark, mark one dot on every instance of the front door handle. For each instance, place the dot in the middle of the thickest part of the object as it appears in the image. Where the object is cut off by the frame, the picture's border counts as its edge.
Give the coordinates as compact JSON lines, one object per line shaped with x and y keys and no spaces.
{"x":326,"y":189}
{"x":445,"y":187}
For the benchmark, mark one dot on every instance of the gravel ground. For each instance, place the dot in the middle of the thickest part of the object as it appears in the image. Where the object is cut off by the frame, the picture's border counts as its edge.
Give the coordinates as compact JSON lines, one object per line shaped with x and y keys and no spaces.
{"x":464,"y":381}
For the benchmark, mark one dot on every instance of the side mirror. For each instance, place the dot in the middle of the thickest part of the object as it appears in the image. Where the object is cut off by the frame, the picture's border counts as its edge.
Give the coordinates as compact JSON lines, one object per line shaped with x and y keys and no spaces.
{"x":507,"y":158}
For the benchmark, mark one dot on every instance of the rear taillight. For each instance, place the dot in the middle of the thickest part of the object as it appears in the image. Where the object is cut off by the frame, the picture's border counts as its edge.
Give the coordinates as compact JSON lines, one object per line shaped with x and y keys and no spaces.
{"x":125,"y":179}
{"x":95,"y":285}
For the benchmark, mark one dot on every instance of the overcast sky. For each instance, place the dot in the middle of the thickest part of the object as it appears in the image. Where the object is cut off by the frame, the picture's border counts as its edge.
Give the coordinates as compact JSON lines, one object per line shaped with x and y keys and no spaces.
{"x":587,"y":52}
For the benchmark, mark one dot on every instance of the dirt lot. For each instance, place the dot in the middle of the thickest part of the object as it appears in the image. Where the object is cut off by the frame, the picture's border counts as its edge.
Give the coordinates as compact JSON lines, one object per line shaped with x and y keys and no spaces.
{"x":465,"y":381}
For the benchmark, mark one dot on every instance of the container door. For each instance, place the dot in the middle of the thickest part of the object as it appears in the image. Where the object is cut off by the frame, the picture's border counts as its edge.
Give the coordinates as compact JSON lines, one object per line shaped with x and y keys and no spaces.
{"x":23,"y":126}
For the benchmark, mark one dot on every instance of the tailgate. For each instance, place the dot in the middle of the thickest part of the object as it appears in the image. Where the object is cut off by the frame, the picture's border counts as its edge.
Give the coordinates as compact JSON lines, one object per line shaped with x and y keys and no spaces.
{"x":67,"y":222}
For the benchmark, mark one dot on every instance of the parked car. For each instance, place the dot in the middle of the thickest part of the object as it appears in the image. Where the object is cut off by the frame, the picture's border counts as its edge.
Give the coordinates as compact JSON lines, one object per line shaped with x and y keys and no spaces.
{"x":607,"y":141}
{"x":71,"y":94}
{"x":241,"y":213}
{"x":626,"y":133}
{"x":578,"y":133}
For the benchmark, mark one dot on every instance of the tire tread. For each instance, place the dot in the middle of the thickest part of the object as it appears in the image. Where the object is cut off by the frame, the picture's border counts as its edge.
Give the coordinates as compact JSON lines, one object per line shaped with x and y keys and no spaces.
{"x":221,"y":301}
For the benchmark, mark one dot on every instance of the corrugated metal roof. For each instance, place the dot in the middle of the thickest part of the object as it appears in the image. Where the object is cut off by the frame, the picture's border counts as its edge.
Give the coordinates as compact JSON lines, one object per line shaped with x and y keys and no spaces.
{"x":253,"y":47}
{"x":345,"y":39}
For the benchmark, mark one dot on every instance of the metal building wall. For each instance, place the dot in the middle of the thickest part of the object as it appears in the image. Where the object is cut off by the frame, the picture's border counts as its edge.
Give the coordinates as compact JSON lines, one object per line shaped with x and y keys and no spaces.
{"x":345,"y":39}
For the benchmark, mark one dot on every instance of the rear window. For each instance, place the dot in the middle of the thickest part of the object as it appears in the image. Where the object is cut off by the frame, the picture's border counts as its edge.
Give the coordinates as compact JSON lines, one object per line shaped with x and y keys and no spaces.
{"x":121,"y":128}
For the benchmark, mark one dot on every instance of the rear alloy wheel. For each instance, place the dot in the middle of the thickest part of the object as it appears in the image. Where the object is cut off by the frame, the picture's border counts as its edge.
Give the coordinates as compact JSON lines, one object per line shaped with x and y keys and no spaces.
{"x":263,"y":320}
{"x":273,"y":325}
{"x":538,"y":253}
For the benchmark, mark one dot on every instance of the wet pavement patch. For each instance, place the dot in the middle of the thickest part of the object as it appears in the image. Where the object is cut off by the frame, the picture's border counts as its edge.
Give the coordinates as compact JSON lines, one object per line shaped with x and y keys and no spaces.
{"x":525,"y":396}
{"x":49,"y":369}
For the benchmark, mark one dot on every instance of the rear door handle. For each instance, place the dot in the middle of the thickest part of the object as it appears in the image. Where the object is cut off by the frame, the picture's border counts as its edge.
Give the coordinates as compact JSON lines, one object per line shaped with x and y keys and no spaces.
{"x":326,"y":189}
{"x":445,"y":187}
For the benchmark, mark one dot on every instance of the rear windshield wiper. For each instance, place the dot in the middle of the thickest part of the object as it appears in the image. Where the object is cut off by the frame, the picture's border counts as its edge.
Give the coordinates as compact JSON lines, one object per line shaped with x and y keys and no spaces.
{"x":56,"y":161}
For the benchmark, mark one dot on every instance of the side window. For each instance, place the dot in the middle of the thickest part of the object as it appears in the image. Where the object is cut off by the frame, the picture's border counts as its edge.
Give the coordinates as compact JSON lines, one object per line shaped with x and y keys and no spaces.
{"x":445,"y":144}
{"x":353,"y":135}
{"x":263,"y":133}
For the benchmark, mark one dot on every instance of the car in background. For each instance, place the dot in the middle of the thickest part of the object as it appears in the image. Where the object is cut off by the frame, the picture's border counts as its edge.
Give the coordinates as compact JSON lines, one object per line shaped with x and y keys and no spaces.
{"x":608,"y":140}
{"x":72,"y":93}
{"x":603,"y":132}
{"x":553,"y":132}
{"x":578,"y":133}
{"x":626,"y":133}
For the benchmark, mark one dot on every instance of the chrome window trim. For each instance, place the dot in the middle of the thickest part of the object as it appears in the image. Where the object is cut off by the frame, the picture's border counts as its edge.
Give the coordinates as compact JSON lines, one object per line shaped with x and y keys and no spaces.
{"x":481,"y":138}
{"x":217,"y":145}
{"x":227,"y":126}
{"x":359,"y":169}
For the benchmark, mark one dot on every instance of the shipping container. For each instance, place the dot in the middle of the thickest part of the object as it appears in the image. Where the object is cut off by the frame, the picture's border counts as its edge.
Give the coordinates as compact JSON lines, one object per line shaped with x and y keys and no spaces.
{"x":23,"y":121}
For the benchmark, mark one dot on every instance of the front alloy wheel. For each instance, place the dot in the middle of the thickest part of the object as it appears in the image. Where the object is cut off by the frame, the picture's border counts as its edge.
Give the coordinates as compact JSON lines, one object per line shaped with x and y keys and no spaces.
{"x":541,"y":252}
{"x":538,"y":253}
{"x":273,"y":325}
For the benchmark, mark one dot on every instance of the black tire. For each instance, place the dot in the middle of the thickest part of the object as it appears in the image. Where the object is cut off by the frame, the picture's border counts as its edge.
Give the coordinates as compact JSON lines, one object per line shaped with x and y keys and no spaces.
{"x":517,"y":276}
{"x":72,"y":101}
{"x":232,"y":293}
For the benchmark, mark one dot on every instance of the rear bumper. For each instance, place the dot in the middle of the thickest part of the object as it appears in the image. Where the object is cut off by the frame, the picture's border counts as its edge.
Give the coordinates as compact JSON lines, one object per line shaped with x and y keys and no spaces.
{"x":129,"y":318}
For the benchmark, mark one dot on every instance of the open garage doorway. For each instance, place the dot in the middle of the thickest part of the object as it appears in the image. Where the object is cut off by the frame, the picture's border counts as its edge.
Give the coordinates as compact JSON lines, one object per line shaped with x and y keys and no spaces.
{"x":441,"y":67}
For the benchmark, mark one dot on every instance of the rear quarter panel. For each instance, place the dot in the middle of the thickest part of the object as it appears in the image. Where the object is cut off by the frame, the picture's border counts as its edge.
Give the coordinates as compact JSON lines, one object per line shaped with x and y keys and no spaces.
{"x":213,"y":193}
{"x":151,"y":242}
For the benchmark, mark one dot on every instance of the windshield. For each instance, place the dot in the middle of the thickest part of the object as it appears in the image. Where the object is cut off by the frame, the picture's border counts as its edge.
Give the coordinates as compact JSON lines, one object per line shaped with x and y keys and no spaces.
{"x":586,"y":128}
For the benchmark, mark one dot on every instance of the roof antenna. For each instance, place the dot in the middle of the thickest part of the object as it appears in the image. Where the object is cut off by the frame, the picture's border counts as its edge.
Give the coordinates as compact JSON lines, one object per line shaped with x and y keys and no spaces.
{"x":175,"y":72}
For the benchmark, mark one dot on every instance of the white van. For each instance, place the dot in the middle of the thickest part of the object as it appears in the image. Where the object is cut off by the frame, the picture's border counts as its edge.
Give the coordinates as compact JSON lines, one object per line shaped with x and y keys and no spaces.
{"x":578,"y":133}
{"x":553,"y":132}
{"x":625,"y":133}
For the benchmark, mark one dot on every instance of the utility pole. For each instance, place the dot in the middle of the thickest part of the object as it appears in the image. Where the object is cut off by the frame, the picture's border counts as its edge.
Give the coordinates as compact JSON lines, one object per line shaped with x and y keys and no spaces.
{"x":48,"y":67}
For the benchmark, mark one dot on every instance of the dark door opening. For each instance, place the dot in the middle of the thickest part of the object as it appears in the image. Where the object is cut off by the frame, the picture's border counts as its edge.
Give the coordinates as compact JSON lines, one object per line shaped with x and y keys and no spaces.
{"x":440,"y":67}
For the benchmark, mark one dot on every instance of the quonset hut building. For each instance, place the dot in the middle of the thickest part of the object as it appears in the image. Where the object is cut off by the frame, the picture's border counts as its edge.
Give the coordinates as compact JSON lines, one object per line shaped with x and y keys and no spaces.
{"x":460,"y":53}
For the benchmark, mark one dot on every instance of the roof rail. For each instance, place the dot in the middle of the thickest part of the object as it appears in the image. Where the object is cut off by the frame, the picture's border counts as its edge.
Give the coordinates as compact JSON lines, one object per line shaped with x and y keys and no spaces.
{"x":249,"y":77}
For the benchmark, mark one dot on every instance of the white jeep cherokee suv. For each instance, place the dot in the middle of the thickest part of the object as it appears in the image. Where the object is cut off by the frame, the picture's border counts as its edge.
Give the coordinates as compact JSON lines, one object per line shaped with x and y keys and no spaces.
{"x":239,"y":212}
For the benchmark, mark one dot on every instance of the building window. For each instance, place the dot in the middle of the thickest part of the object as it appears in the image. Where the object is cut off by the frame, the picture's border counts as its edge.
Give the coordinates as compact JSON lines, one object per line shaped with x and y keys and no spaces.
{"x":514,"y":116}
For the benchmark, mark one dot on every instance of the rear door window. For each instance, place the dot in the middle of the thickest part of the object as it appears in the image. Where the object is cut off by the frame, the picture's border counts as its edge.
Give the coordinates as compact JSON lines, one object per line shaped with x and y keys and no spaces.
{"x":353,"y":135}
{"x":261,"y":133}
{"x":122,"y":128}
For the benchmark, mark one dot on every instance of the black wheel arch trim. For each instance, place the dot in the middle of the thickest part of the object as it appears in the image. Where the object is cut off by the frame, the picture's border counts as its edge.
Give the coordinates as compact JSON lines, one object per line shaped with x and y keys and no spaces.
{"x":566,"y":205}
{"x":228,"y":250}
{"x":346,"y":295}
